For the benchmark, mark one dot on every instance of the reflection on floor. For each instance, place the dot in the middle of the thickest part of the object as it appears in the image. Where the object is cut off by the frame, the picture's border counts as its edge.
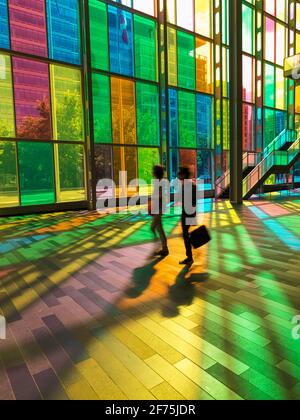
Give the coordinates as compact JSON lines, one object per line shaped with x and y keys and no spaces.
{"x":90,"y":315}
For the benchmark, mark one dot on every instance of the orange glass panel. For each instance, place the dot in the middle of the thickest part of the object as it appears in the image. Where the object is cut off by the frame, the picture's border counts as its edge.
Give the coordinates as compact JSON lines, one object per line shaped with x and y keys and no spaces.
{"x":189,"y":158}
{"x":125,"y":160}
{"x":123,"y":111}
{"x":204,"y":66}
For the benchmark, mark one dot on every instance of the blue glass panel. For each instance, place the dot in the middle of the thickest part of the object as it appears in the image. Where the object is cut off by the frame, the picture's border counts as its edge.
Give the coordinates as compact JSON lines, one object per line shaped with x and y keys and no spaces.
{"x":205,"y":169}
{"x":297,"y":172}
{"x":204,"y":122}
{"x":173,"y":118}
{"x":281,"y":121}
{"x":4,"y":33}
{"x":174,"y":163}
{"x":125,"y":2}
{"x":120,"y":25}
{"x":259,"y":129}
{"x":64,"y":30}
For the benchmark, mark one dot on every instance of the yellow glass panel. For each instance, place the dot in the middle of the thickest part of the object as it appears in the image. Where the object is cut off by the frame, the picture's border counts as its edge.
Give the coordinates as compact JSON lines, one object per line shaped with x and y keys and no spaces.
{"x":123,"y":111}
{"x":297,"y":94}
{"x":67,"y":106}
{"x":226,"y":143}
{"x":225,"y":69}
{"x":203,"y":13}
{"x":297,"y":43}
{"x":172,"y":57}
{"x":9,"y":195}
{"x":7,"y":125}
{"x":69,"y":173}
{"x":280,"y":89}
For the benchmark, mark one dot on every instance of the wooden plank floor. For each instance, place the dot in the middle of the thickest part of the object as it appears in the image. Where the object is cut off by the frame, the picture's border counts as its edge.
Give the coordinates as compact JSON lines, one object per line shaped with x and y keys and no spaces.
{"x":91,"y":316}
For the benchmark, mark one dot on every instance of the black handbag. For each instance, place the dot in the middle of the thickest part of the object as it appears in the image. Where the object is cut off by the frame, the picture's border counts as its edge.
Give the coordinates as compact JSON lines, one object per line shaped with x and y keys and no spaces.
{"x":200,"y":237}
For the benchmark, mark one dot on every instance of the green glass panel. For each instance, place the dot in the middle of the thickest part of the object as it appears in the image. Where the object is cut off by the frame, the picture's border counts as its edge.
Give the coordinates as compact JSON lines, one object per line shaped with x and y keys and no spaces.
{"x":102,"y":109}
{"x":187,"y":119}
{"x":67,"y":104}
{"x":248,"y":17}
{"x":147,"y":158}
{"x":71,"y":185}
{"x":36,"y":173}
{"x":186,"y":60}
{"x":98,"y":34}
{"x":269,"y":85}
{"x":7,"y":124}
{"x":147,"y":104}
{"x":225,"y":22}
{"x":226,"y":125}
{"x":145,"y":48}
{"x":269,"y":126}
{"x":9,"y":195}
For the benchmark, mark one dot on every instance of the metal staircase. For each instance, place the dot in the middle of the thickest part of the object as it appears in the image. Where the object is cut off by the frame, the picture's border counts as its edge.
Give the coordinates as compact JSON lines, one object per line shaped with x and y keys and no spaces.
{"x":276,"y":162}
{"x":251,"y":160}
{"x":279,"y":157}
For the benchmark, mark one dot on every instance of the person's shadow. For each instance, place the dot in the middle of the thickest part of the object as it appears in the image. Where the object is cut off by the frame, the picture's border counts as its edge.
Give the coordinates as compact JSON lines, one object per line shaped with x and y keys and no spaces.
{"x":142,"y":277}
{"x":182,"y":293}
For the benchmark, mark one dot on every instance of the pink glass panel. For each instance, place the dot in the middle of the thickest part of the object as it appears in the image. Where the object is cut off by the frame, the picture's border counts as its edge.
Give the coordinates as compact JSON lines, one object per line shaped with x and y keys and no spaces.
{"x":248,"y":81}
{"x":247,"y":128}
{"x":32,"y":99}
{"x":28,"y":26}
{"x":270,"y":40}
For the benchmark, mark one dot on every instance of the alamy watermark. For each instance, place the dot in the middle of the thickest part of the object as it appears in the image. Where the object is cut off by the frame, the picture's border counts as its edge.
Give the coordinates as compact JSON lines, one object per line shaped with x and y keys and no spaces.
{"x":2,"y":328}
{"x":165,"y":197}
{"x":296,"y":327}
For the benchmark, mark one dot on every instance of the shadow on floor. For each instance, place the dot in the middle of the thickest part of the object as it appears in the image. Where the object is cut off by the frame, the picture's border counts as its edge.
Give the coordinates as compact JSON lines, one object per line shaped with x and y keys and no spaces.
{"x":182,"y":293}
{"x":141,"y":278}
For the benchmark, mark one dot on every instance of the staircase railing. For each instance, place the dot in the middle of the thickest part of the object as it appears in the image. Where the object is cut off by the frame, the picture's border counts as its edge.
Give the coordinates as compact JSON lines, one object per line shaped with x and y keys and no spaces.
{"x":285,"y":137}
{"x":275,"y":158}
{"x":249,"y":159}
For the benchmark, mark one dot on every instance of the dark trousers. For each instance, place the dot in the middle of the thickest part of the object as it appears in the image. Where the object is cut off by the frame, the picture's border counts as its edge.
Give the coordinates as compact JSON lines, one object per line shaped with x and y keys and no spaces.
{"x":157,"y":226}
{"x":186,"y":237}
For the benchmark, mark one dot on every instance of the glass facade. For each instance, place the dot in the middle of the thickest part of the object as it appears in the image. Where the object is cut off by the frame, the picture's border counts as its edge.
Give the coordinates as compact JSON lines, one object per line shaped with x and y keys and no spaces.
{"x":42,"y":135}
{"x":198,"y":88}
{"x":157,"y":74}
{"x":125,"y":88}
{"x":270,"y":33}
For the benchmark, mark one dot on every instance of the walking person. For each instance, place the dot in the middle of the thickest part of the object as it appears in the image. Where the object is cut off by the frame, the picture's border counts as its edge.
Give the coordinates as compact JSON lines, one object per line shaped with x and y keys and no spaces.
{"x":157,"y":210}
{"x":189,"y":211}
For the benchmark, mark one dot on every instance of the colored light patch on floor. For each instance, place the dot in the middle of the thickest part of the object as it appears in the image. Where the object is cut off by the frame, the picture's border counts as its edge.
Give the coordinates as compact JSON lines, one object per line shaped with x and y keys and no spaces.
{"x":92,"y":316}
{"x":274,"y":210}
{"x":283,"y":234}
{"x":260,"y":214}
{"x":14,"y":244}
{"x":292,"y":223}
